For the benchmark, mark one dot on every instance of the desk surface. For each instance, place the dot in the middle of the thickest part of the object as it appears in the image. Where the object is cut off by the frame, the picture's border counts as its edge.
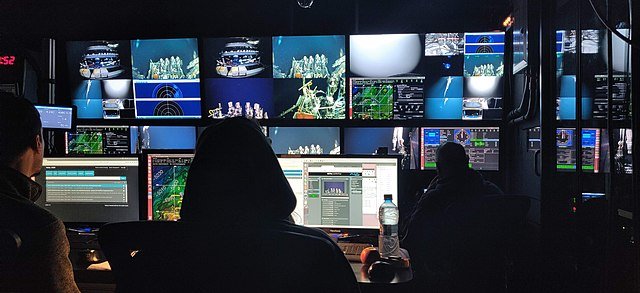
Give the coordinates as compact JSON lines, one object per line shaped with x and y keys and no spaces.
{"x":362,"y":275}
{"x":102,"y":274}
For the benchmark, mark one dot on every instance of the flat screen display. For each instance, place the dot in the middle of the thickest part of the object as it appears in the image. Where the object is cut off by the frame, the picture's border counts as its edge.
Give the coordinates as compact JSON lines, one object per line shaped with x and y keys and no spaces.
{"x":305,"y":140}
{"x":138,"y":79}
{"x":340,"y":192}
{"x":53,"y":117}
{"x":482,"y":145}
{"x":90,"y":190}
{"x":166,"y":181}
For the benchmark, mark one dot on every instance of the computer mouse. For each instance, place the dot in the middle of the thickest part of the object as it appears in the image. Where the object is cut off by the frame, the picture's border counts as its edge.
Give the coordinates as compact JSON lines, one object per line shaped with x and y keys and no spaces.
{"x":381,"y":271}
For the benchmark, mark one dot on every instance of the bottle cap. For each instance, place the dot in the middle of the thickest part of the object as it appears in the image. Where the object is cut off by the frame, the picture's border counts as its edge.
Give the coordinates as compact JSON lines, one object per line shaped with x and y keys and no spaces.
{"x":388,"y":197}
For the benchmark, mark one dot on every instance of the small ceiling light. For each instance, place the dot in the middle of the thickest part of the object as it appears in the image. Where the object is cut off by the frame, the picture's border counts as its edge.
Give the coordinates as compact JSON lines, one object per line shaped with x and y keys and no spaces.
{"x":507,"y":22}
{"x":305,"y":3}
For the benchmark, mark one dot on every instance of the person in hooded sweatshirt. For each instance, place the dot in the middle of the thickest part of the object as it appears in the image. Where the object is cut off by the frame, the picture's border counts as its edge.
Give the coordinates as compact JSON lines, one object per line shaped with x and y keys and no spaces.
{"x":430,"y":234}
{"x":235,"y":180}
{"x":42,"y":263}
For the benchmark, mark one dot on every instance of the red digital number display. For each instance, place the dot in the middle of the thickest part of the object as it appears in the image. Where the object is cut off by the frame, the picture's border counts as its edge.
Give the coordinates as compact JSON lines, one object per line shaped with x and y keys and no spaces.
{"x":8,"y":60}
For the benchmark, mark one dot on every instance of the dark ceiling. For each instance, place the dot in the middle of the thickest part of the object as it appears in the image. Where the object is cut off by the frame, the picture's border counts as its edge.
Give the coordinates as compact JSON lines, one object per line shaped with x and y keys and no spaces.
{"x":122,"y":19}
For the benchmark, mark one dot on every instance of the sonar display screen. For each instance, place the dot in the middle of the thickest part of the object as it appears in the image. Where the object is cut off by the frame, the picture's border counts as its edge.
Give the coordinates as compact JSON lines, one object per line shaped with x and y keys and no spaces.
{"x":480,"y":143}
{"x":167,"y":178}
{"x":387,"y":98}
{"x":98,"y":140}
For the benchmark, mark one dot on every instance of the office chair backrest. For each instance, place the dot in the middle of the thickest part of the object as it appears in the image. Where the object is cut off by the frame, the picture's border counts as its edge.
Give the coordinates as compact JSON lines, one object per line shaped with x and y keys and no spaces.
{"x":480,"y":233}
{"x":183,"y":257}
{"x":10,"y":244}
{"x":487,"y":221}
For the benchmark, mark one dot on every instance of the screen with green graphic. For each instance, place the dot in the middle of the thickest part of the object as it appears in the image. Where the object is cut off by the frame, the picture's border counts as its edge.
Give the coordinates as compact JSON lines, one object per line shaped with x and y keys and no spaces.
{"x":482,"y":145}
{"x":167,"y":178}
{"x":566,"y":149}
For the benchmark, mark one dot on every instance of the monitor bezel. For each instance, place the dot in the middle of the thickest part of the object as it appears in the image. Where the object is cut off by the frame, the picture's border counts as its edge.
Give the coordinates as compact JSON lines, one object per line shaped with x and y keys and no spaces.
{"x":366,"y":233}
{"x":70,"y":225}
{"x":74,"y":116}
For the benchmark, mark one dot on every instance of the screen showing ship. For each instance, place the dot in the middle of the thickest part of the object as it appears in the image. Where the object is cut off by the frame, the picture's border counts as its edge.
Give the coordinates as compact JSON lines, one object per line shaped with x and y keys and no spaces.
{"x":240,"y":58}
{"x":101,"y":61}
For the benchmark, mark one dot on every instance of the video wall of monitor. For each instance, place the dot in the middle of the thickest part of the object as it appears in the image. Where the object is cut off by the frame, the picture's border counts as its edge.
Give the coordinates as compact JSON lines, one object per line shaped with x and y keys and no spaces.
{"x":596,"y":149}
{"x":368,"y":94}
{"x":282,"y":77}
{"x":454,"y":76}
{"x":593,"y":159}
{"x":594,"y":84}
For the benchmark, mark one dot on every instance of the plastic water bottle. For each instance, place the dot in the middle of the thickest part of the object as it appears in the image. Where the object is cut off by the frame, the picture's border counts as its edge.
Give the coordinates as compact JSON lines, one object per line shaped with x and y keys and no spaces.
{"x":388,"y":243}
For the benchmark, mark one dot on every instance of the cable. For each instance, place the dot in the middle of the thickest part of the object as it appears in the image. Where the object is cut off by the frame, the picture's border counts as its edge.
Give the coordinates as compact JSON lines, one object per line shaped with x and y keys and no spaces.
{"x":613,"y":31}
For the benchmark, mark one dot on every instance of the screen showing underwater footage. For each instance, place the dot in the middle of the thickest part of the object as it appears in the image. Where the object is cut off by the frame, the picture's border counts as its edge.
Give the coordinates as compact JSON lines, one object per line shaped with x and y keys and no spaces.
{"x":138,"y":79}
{"x":282,"y":77}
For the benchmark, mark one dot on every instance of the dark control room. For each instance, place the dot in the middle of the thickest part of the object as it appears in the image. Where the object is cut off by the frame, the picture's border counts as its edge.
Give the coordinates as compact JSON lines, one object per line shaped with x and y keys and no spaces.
{"x":320,"y":146}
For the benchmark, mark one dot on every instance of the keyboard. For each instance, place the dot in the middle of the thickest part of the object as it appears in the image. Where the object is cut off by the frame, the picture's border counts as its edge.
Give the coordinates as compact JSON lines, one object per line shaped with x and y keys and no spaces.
{"x":352,"y":250}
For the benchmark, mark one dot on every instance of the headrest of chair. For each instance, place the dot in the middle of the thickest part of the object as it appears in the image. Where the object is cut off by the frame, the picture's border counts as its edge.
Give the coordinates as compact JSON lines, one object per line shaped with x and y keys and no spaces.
{"x":500,"y":207}
{"x":510,"y":207}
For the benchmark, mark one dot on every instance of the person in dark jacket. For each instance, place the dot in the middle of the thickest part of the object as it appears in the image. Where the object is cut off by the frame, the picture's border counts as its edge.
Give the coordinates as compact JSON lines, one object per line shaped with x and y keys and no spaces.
{"x":443,"y":214}
{"x":235,"y":180}
{"x":42,"y":263}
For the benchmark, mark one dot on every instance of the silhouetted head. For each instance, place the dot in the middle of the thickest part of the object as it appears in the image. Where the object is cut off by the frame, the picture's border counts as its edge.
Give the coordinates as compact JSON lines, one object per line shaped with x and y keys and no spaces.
{"x":451,"y":160}
{"x":21,"y":143}
{"x":235,"y":177}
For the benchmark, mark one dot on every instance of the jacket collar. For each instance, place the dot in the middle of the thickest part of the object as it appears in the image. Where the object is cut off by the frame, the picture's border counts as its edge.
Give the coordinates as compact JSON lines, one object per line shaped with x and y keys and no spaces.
{"x":16,"y":184}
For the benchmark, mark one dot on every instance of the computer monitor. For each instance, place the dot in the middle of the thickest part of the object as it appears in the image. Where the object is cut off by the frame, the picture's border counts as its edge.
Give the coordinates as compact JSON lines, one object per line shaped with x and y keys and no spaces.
{"x":484,"y":54}
{"x":403,"y":141}
{"x":305,"y":140}
{"x":591,"y":150}
{"x":166,"y":137}
{"x":137,"y":79}
{"x":100,"y":79}
{"x":482,"y":145}
{"x":166,"y":180}
{"x":621,"y":97}
{"x":386,"y":55}
{"x":90,"y":189}
{"x":340,"y":192}
{"x":166,"y":79}
{"x":398,"y":98}
{"x":98,"y":140}
{"x":566,"y":149}
{"x":56,"y":117}
{"x":308,"y":77}
{"x":586,"y":196}
{"x":622,"y":146}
